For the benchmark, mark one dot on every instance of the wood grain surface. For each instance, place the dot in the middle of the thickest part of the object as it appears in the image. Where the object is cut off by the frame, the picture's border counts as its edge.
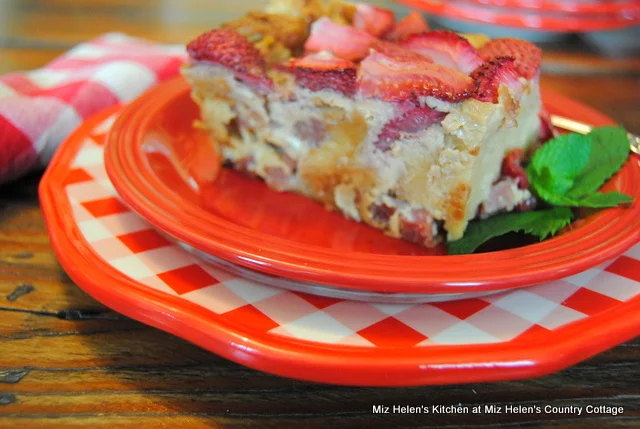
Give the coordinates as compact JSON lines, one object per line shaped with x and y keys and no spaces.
{"x":67,"y":361}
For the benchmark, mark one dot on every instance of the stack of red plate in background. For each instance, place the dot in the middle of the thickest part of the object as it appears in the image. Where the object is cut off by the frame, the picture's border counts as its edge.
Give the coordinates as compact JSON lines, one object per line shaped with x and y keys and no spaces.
{"x":539,"y":20}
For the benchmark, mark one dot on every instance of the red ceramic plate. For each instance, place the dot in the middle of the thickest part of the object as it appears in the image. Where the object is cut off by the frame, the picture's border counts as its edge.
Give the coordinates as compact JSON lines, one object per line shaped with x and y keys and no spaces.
{"x":164,"y":169}
{"x":519,"y":18}
{"x":622,"y":8}
{"x":122,"y":261}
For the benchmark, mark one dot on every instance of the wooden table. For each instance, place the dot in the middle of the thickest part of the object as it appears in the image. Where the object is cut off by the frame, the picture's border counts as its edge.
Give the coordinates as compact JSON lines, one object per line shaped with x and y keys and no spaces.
{"x":67,"y":361}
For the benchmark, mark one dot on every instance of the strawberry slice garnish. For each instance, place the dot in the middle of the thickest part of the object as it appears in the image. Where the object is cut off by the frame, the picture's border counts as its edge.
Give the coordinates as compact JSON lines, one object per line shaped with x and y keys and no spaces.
{"x":397,"y":52}
{"x":229,"y":49}
{"x":493,"y":73}
{"x":445,"y":48}
{"x":527,"y":56}
{"x":374,"y":20}
{"x":412,"y":121}
{"x":342,"y":41}
{"x":411,"y":24}
{"x":325,"y":71}
{"x":396,"y":78}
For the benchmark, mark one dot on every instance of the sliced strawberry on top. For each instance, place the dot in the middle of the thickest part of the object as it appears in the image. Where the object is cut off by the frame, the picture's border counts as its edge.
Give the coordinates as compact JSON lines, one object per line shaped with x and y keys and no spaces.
{"x":493,"y":73}
{"x":411,"y":24}
{"x":416,"y":119}
{"x":229,"y":49}
{"x":374,"y":20}
{"x":396,"y":78}
{"x":528,"y":56}
{"x":445,"y":48}
{"x":397,"y":52}
{"x":324,"y":70}
{"x":342,"y":41}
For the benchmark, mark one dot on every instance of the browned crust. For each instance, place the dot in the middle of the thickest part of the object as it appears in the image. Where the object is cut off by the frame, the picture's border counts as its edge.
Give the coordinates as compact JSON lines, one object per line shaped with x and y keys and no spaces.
{"x":455,"y":205}
{"x":277,"y":37}
{"x":280,"y":36}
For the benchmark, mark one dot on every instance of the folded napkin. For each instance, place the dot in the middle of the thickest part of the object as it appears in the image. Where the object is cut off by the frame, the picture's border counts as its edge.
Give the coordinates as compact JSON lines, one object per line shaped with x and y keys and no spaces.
{"x":40,"y":108}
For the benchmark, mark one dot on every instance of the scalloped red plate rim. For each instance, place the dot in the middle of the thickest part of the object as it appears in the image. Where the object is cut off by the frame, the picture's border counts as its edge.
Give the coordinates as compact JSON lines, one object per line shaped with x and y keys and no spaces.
{"x":606,"y":234}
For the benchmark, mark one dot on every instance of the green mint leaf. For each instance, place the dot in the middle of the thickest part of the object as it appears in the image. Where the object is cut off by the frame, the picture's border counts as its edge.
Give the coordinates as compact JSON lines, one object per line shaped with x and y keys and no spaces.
{"x":539,"y":223}
{"x":602,"y":200}
{"x":609,"y":150}
{"x":556,"y":165}
{"x":568,"y":170}
{"x":595,"y":200}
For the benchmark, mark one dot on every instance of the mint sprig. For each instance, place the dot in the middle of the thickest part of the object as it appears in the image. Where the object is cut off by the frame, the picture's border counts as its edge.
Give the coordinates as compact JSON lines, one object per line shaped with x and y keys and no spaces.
{"x":565,"y":172}
{"x":609,"y":151}
{"x":541,"y":223}
{"x":569,"y":170}
{"x":555,"y":167}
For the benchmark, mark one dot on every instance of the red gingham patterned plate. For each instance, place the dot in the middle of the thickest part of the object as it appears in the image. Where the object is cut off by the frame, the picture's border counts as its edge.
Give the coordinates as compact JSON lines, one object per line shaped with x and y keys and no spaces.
{"x":119,"y":259}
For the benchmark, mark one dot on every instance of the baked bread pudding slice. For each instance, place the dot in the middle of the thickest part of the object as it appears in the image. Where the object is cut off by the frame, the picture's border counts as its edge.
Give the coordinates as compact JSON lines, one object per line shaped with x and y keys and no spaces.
{"x":411,"y":131}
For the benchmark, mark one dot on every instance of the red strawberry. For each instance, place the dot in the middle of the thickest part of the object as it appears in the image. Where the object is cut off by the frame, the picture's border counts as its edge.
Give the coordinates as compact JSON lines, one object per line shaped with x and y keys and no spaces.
{"x":416,"y":119}
{"x":231,"y":50}
{"x":397,"y":52}
{"x":325,"y":71}
{"x":528,"y":56}
{"x":344,"y":42}
{"x":445,"y":48}
{"x":411,"y":24}
{"x":417,"y":227}
{"x":311,"y":131}
{"x":374,"y":20}
{"x":547,"y":131}
{"x":512,"y":167}
{"x":396,"y":78}
{"x":491,"y":74}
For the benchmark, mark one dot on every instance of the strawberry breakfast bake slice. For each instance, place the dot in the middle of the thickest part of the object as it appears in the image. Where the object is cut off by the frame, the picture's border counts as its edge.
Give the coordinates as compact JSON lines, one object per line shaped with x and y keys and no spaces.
{"x":414,"y":132}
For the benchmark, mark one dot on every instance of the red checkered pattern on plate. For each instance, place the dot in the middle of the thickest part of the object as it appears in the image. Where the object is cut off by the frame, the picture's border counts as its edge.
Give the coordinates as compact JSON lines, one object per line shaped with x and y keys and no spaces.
{"x":130,"y":245}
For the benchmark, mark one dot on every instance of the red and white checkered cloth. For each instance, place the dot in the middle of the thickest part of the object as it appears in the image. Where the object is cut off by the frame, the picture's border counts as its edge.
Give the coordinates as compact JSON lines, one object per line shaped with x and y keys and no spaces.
{"x":40,"y":108}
